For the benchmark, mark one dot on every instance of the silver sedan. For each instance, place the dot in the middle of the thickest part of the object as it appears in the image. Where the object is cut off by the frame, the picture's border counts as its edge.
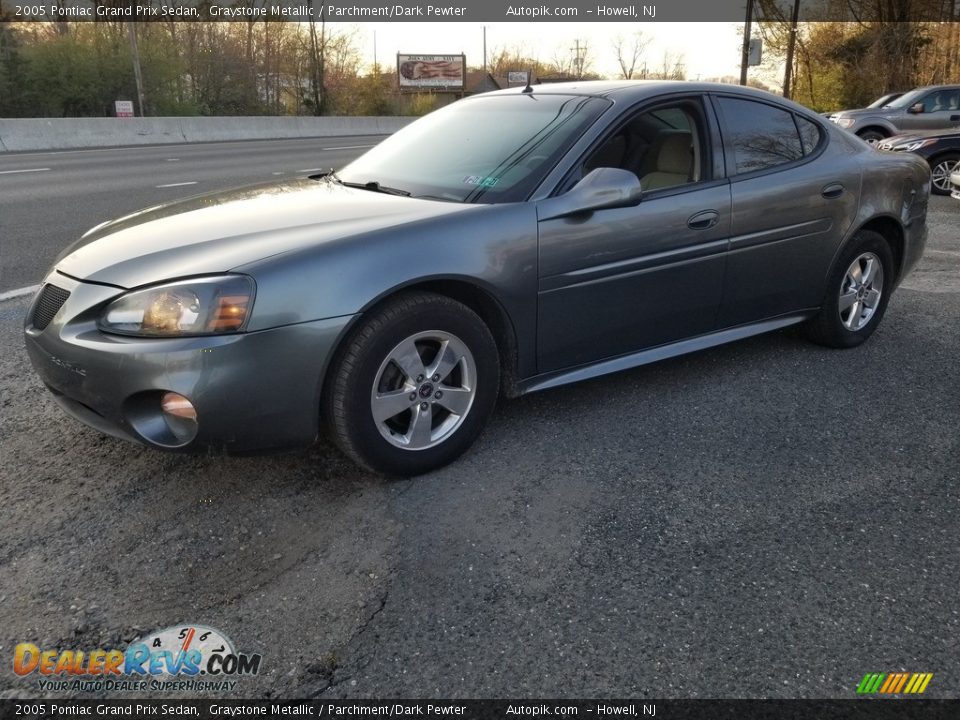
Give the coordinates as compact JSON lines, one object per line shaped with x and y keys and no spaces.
{"x":508,"y":243}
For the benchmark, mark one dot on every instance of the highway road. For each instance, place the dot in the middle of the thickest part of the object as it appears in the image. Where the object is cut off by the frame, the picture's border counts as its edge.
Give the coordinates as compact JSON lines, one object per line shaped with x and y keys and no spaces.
{"x":49,"y":199}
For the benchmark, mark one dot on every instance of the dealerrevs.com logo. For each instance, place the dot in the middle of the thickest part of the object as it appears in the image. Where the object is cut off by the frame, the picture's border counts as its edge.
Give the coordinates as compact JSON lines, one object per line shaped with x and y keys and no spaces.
{"x":187,"y":658}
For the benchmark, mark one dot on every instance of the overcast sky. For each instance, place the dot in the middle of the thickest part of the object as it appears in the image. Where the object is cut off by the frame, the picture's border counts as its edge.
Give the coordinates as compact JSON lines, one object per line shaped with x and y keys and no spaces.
{"x":709,"y":49}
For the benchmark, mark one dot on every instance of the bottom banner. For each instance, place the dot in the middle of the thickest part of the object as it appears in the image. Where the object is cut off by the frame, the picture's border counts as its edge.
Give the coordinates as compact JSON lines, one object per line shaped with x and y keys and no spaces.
{"x":482,"y":709}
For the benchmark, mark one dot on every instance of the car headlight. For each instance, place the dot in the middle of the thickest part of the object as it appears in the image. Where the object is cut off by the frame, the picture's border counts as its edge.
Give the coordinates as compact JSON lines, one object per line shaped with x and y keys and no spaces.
{"x":916,"y":145}
{"x":845,"y":122}
{"x":202,"y":306}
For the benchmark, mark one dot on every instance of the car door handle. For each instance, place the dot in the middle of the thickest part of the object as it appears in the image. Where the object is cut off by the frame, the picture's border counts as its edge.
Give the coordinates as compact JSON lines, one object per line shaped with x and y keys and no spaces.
{"x":703,"y":220}
{"x":832,"y":191}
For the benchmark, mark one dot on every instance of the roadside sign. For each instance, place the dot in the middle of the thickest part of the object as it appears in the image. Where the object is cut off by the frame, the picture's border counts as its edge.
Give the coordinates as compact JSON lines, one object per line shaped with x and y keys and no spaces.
{"x":756,"y":50}
{"x":431,"y":72}
{"x":123,"y":108}
{"x":517,"y":77}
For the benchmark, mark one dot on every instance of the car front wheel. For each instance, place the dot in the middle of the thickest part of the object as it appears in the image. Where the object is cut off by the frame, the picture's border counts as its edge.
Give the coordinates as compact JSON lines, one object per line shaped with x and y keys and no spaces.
{"x":413,"y":386}
{"x":858,"y":290}
{"x":940,"y":170}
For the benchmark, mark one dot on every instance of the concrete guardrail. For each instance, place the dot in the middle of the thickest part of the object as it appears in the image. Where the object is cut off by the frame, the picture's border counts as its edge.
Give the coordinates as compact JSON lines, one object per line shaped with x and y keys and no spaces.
{"x":18,"y":135}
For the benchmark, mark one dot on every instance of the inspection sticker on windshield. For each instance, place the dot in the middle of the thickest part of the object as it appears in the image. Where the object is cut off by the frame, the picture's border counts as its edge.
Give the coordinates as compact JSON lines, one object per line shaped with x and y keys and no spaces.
{"x":480,"y":180}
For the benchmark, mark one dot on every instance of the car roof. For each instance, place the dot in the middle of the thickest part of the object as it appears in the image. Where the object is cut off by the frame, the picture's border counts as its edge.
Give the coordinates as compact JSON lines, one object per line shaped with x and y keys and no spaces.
{"x":633,"y":90}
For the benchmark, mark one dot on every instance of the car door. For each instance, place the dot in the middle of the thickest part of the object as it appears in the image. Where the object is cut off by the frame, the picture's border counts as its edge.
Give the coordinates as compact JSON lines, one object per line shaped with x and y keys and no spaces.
{"x":941,"y":110}
{"x":792,"y":204}
{"x":615,"y":281}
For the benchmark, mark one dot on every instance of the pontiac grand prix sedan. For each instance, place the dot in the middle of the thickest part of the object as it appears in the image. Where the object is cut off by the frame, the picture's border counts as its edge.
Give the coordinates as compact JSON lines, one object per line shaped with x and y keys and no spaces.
{"x":508,"y":243}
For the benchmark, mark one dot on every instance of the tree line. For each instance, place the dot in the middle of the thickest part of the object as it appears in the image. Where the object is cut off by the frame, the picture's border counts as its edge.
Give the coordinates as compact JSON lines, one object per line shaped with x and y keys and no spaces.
{"x":879,"y":46}
{"x":64,"y":69}
{"x":188,"y":68}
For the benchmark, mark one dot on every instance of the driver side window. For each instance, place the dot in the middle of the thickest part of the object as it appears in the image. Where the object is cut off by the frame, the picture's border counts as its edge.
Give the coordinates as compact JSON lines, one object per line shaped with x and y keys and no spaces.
{"x":942,"y":100}
{"x":663,"y":147}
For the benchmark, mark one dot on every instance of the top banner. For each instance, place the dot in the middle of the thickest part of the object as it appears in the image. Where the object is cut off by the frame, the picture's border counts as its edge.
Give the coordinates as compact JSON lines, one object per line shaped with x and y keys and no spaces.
{"x":358,"y":11}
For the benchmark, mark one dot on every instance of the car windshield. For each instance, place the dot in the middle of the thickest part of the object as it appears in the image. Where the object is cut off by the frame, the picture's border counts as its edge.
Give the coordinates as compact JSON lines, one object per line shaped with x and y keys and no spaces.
{"x":487,"y":149}
{"x":908,"y":99}
{"x":883,"y":101}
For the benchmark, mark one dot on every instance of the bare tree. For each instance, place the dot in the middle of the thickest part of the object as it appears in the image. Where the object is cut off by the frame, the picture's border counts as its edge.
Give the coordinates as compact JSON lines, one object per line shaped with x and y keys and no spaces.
{"x":317,"y":64}
{"x":629,"y":51}
{"x":575,"y":62}
{"x":672,"y":67}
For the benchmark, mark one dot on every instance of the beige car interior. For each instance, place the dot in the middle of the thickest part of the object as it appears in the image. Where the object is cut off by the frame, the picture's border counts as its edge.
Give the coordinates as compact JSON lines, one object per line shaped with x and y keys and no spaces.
{"x":669,"y":158}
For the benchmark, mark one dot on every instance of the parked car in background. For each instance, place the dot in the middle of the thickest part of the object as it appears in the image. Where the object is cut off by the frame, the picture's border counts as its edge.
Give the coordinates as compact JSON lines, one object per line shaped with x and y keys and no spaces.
{"x":936,"y":107}
{"x":879,"y":102}
{"x":941,"y":150}
{"x":511,"y":242}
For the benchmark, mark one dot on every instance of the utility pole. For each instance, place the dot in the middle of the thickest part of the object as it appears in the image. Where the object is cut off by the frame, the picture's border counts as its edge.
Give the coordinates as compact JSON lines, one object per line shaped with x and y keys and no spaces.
{"x":135,"y":53}
{"x":745,"y":54}
{"x":484,"y":50}
{"x":578,"y":58}
{"x":791,"y":43}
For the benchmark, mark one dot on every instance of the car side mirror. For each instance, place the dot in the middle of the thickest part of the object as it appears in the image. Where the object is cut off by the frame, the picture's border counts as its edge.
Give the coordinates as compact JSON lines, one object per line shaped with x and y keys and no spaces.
{"x":916,"y":109}
{"x":600,"y":189}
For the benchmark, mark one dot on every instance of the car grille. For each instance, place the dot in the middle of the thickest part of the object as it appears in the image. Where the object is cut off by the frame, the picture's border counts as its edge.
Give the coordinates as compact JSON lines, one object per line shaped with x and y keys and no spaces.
{"x":48,"y":304}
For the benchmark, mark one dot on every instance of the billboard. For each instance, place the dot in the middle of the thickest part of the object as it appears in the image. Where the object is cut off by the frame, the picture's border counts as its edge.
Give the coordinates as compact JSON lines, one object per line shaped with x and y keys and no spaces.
{"x":431,"y":72}
{"x":123,"y":108}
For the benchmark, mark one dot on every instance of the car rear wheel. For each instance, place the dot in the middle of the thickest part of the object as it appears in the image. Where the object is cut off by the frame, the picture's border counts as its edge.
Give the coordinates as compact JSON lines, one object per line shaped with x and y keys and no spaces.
{"x":413,"y":386}
{"x":940,"y":170}
{"x":858,"y":290}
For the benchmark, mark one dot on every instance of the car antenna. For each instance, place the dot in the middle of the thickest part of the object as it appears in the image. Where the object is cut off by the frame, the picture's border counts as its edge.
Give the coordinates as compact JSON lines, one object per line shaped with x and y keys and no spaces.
{"x":529,"y":88}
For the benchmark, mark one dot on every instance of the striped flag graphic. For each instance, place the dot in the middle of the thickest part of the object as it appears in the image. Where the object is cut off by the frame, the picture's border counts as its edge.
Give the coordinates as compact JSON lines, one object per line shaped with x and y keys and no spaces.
{"x":894,"y":683}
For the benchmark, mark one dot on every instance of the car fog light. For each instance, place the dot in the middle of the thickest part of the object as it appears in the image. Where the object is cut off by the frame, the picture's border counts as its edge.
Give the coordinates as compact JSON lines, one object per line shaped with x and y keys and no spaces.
{"x":178,"y":406}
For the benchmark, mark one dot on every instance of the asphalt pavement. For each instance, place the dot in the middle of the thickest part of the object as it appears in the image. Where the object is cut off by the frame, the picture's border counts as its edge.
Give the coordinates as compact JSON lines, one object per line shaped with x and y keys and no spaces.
{"x":49,"y":199}
{"x":765,"y":519}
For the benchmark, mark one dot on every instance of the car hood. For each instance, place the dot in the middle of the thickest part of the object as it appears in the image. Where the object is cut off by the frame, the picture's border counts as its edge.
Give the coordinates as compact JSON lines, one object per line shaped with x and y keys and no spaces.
{"x":864,"y":112}
{"x":218,"y":232}
{"x":923,"y":135}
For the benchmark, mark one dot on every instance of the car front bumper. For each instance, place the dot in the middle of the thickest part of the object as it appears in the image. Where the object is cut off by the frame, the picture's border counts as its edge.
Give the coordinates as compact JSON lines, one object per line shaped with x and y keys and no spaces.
{"x":251,"y":391}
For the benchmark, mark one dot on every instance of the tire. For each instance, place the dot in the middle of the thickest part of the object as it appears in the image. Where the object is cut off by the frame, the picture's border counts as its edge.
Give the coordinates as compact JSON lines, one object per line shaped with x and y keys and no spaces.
{"x":940,"y":169}
{"x":847,"y":317}
{"x":427,"y":357}
{"x":871,"y":135}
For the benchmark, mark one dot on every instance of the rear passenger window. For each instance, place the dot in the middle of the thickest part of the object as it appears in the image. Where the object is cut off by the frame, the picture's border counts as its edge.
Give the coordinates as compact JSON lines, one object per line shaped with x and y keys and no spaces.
{"x":809,"y":134}
{"x":762,"y":136}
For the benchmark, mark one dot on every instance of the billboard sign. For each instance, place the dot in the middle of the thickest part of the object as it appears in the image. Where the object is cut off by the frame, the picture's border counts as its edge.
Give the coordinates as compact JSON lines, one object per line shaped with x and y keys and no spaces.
{"x":123,"y":108}
{"x":517,"y":77}
{"x":431,"y":72}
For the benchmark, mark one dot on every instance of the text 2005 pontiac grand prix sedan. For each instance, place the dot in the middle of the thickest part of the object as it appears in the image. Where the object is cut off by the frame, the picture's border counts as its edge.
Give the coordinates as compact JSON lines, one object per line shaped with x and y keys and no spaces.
{"x":511,"y":242}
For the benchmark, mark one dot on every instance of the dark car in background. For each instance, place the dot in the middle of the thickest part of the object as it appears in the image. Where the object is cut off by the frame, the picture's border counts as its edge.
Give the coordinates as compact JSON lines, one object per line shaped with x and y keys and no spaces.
{"x":511,"y":242}
{"x":935,"y":107}
{"x":940,"y":150}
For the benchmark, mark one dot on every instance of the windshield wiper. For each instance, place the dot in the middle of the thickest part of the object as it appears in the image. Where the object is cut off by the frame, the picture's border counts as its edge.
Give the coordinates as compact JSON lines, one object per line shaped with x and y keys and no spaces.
{"x":372,"y":185}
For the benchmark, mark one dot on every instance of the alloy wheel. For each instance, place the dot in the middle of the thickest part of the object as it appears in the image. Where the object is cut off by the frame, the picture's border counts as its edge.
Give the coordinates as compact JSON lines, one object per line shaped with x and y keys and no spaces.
{"x":940,"y":174}
{"x":423,"y":390}
{"x":860,"y":291}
